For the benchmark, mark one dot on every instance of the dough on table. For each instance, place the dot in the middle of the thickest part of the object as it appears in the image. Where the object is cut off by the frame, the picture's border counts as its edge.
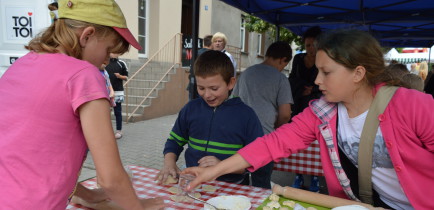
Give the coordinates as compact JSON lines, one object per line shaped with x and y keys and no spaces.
{"x":267,"y":208}
{"x":289,"y":203}
{"x":170,"y":180}
{"x":274,"y":197}
{"x":196,"y":195}
{"x":184,"y":198}
{"x":284,"y":208}
{"x":274,"y":204}
{"x":174,"y":190}
{"x":178,"y":198}
{"x":208,"y":188}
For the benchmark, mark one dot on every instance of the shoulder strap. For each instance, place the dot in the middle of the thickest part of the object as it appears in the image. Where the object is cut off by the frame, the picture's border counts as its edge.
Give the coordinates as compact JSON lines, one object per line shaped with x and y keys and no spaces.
{"x":367,"y":139}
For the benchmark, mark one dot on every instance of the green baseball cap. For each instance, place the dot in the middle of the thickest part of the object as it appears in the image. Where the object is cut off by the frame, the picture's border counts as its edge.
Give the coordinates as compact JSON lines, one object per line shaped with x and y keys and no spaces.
{"x":101,"y":12}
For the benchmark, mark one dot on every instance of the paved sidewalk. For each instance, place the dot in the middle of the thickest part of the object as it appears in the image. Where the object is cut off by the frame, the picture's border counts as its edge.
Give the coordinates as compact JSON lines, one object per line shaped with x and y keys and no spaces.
{"x":142,"y":145}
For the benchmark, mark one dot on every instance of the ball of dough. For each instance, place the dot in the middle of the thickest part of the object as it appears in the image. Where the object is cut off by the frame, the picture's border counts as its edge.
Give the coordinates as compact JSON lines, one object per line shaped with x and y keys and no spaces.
{"x":274,"y":197}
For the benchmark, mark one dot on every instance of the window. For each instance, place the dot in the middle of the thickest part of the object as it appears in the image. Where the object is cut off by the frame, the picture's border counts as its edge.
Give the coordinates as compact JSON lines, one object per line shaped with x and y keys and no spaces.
{"x":143,"y":26}
{"x":244,"y":36}
{"x":259,"y":48}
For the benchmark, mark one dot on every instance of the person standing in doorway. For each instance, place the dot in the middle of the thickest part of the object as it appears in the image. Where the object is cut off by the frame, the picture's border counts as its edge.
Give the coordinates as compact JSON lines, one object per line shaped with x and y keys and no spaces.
{"x":264,"y":88}
{"x":118,"y":72}
{"x":219,"y":42}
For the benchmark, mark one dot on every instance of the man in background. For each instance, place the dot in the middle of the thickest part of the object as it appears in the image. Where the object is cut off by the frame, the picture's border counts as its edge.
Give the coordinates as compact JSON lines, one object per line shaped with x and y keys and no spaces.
{"x":264,"y":88}
{"x":206,"y":45}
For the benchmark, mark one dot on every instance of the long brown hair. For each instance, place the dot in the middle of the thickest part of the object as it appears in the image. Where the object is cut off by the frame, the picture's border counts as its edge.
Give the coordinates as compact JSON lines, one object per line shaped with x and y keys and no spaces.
{"x":352,"y":48}
{"x":65,"y":33}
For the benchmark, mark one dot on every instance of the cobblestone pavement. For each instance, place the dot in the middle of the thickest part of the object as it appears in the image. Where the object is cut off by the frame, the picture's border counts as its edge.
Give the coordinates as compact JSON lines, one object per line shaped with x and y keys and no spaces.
{"x":142,"y":145}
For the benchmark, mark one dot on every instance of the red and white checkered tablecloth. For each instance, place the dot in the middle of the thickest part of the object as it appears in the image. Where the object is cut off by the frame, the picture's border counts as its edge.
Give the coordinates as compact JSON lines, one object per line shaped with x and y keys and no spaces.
{"x":143,"y":181}
{"x":307,"y":161}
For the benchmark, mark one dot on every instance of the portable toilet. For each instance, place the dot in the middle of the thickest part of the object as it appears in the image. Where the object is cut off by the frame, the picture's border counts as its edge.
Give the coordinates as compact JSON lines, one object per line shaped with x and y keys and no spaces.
{"x":20,"y":21}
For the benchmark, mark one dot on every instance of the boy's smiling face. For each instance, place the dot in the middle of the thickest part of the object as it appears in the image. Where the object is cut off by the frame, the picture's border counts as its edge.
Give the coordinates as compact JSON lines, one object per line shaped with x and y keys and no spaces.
{"x":213,"y":89}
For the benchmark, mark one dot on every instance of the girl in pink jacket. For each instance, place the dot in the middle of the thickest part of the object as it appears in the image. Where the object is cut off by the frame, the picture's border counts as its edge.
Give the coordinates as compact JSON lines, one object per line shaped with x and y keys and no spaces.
{"x":351,"y":70}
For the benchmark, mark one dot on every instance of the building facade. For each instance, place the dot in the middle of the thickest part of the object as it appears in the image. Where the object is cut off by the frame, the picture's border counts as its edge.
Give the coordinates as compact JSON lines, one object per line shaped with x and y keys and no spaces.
{"x":156,"y":22}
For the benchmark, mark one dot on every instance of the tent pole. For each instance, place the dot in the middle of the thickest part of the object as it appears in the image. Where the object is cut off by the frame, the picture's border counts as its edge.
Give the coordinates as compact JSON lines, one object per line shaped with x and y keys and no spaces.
{"x":429,"y":55}
{"x":277,"y":27}
{"x":277,"y":33}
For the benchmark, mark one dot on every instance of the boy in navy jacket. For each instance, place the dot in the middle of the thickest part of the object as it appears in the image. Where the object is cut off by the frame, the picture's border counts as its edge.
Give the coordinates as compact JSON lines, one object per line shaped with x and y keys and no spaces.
{"x":213,"y":126}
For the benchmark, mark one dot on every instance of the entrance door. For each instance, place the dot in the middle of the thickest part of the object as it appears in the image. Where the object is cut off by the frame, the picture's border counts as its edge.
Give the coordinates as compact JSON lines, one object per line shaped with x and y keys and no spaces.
{"x":187,"y":17}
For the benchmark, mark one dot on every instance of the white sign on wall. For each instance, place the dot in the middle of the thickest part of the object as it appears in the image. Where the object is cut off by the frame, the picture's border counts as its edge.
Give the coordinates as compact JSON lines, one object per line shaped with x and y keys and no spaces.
{"x":19,"y":23}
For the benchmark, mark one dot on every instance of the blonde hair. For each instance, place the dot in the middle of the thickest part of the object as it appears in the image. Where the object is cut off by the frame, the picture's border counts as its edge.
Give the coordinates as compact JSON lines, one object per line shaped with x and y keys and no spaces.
{"x":221,"y":36}
{"x":66,"y":33}
{"x":423,"y":70}
{"x":412,"y":81}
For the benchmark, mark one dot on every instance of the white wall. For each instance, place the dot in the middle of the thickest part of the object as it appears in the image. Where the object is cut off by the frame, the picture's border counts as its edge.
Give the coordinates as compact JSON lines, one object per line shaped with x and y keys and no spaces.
{"x":226,"y":19}
{"x":205,"y":18}
{"x":130,"y":10}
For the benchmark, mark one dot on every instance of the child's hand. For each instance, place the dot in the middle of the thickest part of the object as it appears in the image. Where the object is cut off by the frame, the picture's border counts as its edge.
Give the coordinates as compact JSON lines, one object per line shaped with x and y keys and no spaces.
{"x":98,"y":195}
{"x":165,"y":172}
{"x":208,"y":161}
{"x":202,"y":175}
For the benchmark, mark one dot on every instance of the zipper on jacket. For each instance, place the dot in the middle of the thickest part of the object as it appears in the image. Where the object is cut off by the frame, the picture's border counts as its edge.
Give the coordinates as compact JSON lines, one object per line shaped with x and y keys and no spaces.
{"x":210,"y":129}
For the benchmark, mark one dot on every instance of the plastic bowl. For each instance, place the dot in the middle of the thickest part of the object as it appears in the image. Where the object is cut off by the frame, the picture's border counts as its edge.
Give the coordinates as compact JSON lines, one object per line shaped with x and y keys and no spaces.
{"x":232,"y":202}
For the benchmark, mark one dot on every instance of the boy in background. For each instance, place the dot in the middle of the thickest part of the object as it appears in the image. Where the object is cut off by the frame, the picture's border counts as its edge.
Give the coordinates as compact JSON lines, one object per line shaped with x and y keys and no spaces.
{"x":214,"y":126}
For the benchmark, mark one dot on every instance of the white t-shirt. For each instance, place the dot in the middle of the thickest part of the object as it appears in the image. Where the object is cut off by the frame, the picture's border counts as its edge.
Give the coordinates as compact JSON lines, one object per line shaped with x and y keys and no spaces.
{"x":233,"y":62}
{"x":384,"y":178}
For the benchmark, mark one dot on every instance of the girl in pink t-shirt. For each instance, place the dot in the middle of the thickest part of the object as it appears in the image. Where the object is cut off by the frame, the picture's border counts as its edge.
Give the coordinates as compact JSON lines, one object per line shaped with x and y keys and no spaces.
{"x":55,"y":107}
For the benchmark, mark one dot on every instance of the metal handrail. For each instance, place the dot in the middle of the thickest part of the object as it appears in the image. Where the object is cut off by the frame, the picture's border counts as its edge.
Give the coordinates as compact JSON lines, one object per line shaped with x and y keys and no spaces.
{"x":236,"y":54}
{"x":170,"y":46}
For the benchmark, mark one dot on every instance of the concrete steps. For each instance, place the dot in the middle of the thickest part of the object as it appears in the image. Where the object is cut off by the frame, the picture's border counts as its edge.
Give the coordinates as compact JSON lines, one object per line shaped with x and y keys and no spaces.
{"x":153,"y":75}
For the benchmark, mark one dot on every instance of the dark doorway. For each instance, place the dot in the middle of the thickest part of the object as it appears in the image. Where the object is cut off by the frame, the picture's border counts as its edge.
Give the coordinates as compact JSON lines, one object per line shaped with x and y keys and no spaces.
{"x":187,"y":17}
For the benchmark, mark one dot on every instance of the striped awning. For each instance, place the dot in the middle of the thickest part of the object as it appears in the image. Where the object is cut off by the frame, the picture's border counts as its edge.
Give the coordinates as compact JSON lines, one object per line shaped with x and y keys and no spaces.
{"x":408,"y":60}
